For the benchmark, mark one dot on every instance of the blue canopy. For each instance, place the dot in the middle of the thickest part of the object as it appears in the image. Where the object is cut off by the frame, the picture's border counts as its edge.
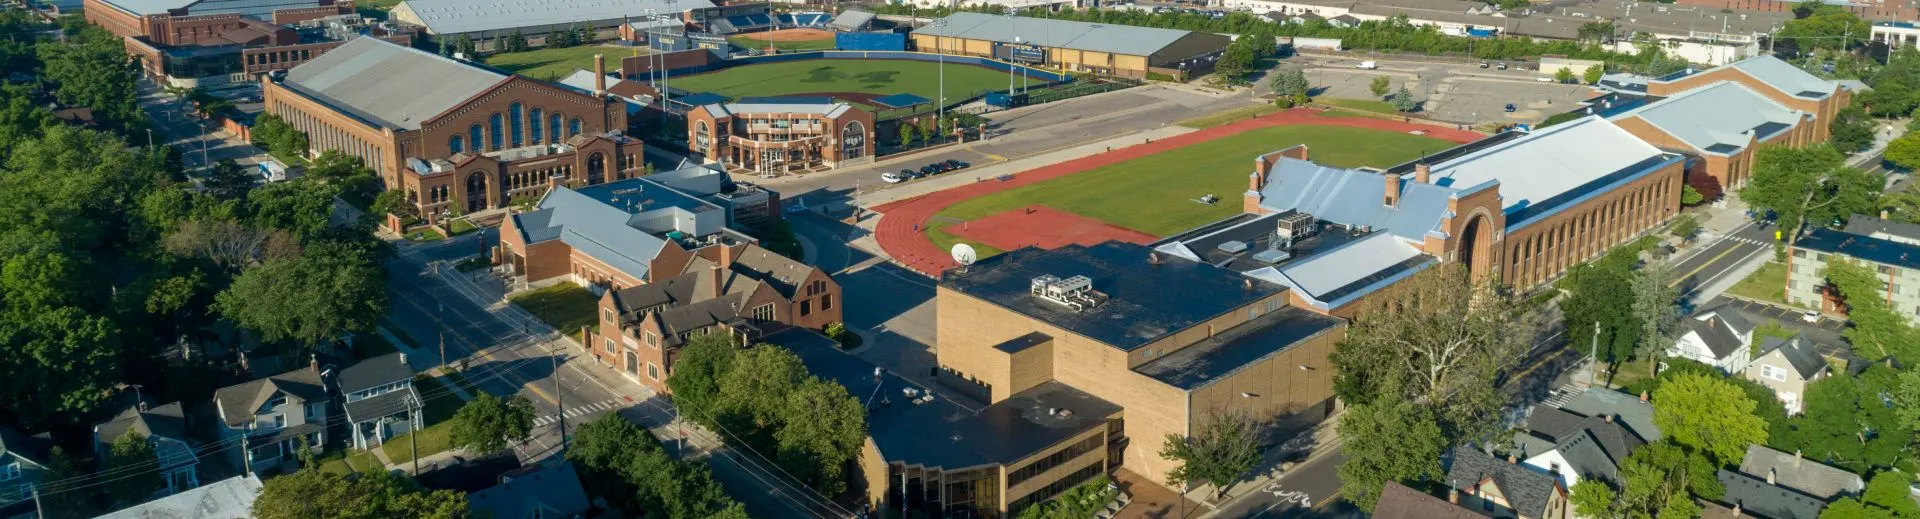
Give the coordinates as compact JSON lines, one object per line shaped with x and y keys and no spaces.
{"x":900,"y":101}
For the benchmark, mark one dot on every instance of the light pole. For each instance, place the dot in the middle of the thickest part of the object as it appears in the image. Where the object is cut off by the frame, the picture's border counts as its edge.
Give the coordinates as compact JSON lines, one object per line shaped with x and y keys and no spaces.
{"x":1014,"y":21}
{"x":940,"y":105}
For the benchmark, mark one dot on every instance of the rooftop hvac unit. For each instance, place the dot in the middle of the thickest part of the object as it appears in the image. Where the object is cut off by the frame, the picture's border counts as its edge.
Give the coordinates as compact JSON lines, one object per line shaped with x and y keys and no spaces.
{"x":1295,"y":227}
{"x":1074,"y":292}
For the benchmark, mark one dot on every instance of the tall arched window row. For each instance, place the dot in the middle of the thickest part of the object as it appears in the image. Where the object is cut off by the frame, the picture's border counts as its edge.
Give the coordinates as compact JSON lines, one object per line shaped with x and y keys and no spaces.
{"x":534,"y":125}
{"x":514,"y":125}
{"x":495,"y":134}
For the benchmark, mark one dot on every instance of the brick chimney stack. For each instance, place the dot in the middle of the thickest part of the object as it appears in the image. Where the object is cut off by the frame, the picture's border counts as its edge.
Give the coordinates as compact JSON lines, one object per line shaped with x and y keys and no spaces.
{"x":726,"y":256}
{"x":599,"y":74}
{"x":1423,"y":173}
{"x":715,"y":274}
{"x":1392,"y":198}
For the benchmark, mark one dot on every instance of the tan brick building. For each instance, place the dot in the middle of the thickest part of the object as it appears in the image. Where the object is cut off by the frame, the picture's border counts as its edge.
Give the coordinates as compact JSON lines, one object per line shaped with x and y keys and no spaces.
{"x":736,"y":288}
{"x":1777,"y":80}
{"x":1121,"y":50}
{"x":456,"y":137}
{"x":1521,"y":206}
{"x":1167,"y":339}
{"x":1719,"y":126}
{"x":781,"y":135}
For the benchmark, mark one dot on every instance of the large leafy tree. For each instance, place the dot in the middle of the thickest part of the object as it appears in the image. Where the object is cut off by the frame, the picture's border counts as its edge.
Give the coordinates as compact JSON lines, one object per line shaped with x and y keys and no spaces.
{"x":1389,"y":439}
{"x":489,"y":423}
{"x":1851,"y":130}
{"x":304,"y":208}
{"x":1437,"y":339}
{"x":1662,"y":479}
{"x":1656,"y":308}
{"x":131,"y":454}
{"x":1709,"y":415}
{"x":625,"y":465}
{"x":1290,"y":86}
{"x":1847,"y":424}
{"x":1594,"y":498}
{"x":314,"y":494}
{"x":1225,"y":450}
{"x":94,"y":72}
{"x":1599,"y":307}
{"x":1819,"y":26}
{"x":702,"y":363}
{"x":1878,"y":332}
{"x":331,"y":289}
{"x":825,"y":428}
{"x":1808,"y":186}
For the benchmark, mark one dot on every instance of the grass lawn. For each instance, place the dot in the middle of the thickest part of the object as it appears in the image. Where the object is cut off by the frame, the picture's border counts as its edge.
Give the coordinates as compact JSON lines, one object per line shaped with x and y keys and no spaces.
{"x":440,"y":404}
{"x":1230,"y":116}
{"x":1767,"y":284}
{"x":433,"y":439}
{"x":1367,"y":105}
{"x":459,"y":227}
{"x":745,"y":42}
{"x":350,"y":461}
{"x":551,"y":64}
{"x":426,"y":234}
{"x":1154,"y":194}
{"x":877,"y":76}
{"x":563,"y":306}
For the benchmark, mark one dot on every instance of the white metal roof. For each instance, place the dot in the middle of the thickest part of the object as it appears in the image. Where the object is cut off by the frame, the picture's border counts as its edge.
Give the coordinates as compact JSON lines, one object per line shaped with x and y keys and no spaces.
{"x":389,"y":84}
{"x":1325,"y":272}
{"x":1550,"y":162}
{"x":1784,"y":76}
{"x":1100,"y":37}
{"x":1720,"y":118}
{"x":825,"y":109}
{"x":464,"y":16}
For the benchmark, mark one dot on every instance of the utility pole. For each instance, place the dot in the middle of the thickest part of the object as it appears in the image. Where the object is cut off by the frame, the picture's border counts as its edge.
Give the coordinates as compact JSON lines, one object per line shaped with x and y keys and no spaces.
{"x":246,"y":451}
{"x":560,"y":399}
{"x":1593,"y":355}
{"x":443,"y":349}
{"x":413,"y":440}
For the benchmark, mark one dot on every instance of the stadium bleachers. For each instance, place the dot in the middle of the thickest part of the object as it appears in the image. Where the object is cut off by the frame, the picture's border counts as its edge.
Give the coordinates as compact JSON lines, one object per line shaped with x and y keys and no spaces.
{"x":804,"y":20}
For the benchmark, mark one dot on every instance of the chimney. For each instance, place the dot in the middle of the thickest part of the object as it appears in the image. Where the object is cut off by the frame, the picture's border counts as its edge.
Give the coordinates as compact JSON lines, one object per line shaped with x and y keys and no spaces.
{"x":1772,"y":475}
{"x":403,"y":359}
{"x":715,"y":275}
{"x":1423,"y":173}
{"x":313,"y":362}
{"x":1643,"y":396}
{"x":1453,"y":495}
{"x":726,"y":256}
{"x":1883,"y":214}
{"x":1512,"y":460}
{"x":1392,"y":198}
{"x":599,"y":74}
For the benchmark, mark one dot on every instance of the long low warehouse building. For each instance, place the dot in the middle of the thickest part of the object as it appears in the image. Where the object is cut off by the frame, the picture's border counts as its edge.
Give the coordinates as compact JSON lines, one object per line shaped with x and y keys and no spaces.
{"x":485,"y":21}
{"x":1121,"y":50}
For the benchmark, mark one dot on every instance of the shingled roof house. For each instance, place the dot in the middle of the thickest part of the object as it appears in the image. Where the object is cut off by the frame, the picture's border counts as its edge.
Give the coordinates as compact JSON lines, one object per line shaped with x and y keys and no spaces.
{"x":739,"y":288}
{"x":273,"y":414}
{"x":1506,"y":488}
{"x":1787,"y":366}
{"x":1717,"y":337}
{"x":164,"y":428}
{"x":380,"y":399}
{"x":1573,"y":446}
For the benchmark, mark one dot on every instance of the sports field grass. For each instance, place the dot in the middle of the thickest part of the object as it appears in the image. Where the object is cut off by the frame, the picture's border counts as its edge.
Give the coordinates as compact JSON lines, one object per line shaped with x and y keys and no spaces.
{"x":553,"y":64}
{"x":877,"y":76}
{"x":746,"y":42}
{"x":1155,"y":194}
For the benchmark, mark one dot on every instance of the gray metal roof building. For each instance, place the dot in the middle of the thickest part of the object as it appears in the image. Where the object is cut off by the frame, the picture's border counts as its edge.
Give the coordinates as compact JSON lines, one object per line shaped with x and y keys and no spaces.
{"x":1722,"y":118}
{"x":449,"y":17}
{"x":1158,"y":45}
{"x":388,"y":84}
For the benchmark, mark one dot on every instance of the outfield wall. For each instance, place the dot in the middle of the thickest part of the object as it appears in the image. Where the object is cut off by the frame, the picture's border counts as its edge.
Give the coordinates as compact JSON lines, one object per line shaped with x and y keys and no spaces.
{"x":1045,"y":76}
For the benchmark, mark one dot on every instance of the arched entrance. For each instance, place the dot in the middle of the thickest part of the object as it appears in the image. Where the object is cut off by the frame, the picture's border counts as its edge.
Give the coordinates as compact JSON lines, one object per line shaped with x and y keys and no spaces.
{"x":1476,"y":246}
{"x":476,"y":192}
{"x":853,"y":141}
{"x":596,"y":169}
{"x":633,"y":364}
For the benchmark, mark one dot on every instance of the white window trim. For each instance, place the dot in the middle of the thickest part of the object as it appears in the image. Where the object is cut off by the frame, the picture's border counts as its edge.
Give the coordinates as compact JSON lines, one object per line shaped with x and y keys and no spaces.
{"x":653,"y":371}
{"x":10,"y":471}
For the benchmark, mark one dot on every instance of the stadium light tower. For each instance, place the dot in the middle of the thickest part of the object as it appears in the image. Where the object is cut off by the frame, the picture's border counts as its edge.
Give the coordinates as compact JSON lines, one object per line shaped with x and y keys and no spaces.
{"x":940,"y":105}
{"x":1013,"y":20}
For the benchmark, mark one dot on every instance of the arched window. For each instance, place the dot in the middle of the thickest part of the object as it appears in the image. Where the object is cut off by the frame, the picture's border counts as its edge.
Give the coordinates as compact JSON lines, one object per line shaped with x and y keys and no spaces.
{"x":573,"y":127}
{"x":534,"y":125}
{"x":473,"y":137}
{"x":455,"y":144}
{"x":701,"y":137}
{"x":553,"y":127}
{"x":513,"y":124}
{"x":853,"y":141}
{"x":495,"y":134}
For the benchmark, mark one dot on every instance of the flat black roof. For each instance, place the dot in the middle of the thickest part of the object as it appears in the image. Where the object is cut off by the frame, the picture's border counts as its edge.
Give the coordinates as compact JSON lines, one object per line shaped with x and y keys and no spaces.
{"x":1209,"y":360}
{"x":943,"y":433}
{"x":1257,"y":233}
{"x":1145,"y":301}
{"x":1885,"y":252}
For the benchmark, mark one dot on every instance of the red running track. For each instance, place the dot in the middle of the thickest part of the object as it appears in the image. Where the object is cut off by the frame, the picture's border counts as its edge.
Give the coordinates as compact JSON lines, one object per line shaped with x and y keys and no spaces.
{"x":901,"y":232}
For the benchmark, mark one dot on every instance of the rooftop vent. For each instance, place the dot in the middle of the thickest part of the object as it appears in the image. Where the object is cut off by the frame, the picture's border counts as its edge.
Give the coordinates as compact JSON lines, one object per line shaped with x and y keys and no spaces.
{"x":1074,"y":292}
{"x":1233,"y":247}
{"x":1272,"y":256}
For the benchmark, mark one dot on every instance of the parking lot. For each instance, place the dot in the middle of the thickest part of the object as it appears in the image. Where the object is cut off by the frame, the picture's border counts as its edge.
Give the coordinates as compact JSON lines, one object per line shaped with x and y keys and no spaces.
{"x":1825,"y":334}
{"x":1453,"y":92}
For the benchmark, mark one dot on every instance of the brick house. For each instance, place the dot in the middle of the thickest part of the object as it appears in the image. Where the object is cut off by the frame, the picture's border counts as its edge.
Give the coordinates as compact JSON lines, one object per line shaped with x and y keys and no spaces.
{"x":610,"y":236}
{"x":737,"y":288}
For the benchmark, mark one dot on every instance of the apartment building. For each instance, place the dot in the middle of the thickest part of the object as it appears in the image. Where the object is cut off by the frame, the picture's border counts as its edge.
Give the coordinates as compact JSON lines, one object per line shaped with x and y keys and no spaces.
{"x":456,"y":137}
{"x":1167,"y":339}
{"x":780,"y":135}
{"x":1889,"y":248}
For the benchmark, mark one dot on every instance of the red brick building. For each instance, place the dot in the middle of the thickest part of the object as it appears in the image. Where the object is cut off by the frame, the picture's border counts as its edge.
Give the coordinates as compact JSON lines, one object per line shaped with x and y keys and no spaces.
{"x":780,"y":135}
{"x":193,"y":43}
{"x":456,"y":137}
{"x":737,"y":288}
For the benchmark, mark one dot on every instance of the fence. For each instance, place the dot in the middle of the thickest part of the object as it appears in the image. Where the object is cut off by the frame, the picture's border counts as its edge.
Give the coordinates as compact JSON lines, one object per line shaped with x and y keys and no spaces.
{"x":870,"y":41}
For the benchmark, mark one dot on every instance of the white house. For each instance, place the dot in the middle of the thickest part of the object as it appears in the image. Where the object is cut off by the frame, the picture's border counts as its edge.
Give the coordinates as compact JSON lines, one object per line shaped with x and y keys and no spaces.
{"x":1716,"y":337}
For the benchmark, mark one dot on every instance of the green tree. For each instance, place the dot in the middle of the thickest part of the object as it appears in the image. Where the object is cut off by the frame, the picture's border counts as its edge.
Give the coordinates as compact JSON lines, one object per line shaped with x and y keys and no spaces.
{"x":1600,"y":294}
{"x":1597,"y":32}
{"x":227,"y":180}
{"x":1878,"y":331}
{"x":1380,"y":85}
{"x":1438,"y":339}
{"x":278,"y":137}
{"x":1808,"y":186}
{"x":1851,"y":130}
{"x":515,"y":42}
{"x":750,"y":393}
{"x":393,"y":202}
{"x":1658,"y":476}
{"x":1593,"y":75}
{"x":330,"y":290}
{"x":706,"y":359}
{"x":1564,"y":75}
{"x":907,"y":132}
{"x":489,"y":423}
{"x":1684,"y":227}
{"x":1080,"y":502}
{"x":1708,"y":414}
{"x":1846,"y":423}
{"x":1904,"y":151}
{"x":132,"y":453}
{"x":1656,"y":307}
{"x":1886,"y":497}
{"x":1818,"y":26}
{"x":624,"y":464}
{"x":301,"y":206}
{"x":1594,"y":498}
{"x":1224,"y":451}
{"x":1388,"y":439}
{"x":314,"y":494}
{"x":1403,"y":101}
{"x":95,"y":73}
{"x":823,"y":432}
{"x":1690,"y":196}
{"x":1290,"y":87}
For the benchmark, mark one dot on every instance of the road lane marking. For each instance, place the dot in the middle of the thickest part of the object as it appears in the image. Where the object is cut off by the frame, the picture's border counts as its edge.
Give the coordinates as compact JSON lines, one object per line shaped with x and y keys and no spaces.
{"x":1703,"y":266}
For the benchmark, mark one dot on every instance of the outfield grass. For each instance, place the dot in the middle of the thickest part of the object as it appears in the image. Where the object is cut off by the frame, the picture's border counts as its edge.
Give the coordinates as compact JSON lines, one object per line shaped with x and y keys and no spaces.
{"x":1230,"y":116}
{"x":1154,"y":194}
{"x":551,"y":64}
{"x":877,"y":76}
{"x":564,"y":306}
{"x":745,"y":42}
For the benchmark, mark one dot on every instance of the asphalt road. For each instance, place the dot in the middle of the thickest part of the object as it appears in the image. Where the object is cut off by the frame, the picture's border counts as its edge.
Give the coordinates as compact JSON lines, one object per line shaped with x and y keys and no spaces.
{"x":1708,"y":266}
{"x":1311,"y":490}
{"x":199,"y":143}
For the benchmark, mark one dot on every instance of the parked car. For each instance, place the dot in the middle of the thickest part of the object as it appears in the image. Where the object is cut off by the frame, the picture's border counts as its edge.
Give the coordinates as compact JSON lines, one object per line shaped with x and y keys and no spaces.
{"x":1367,"y":65}
{"x":1502,"y":65}
{"x":955,"y":164}
{"x":1484,"y":64}
{"x":1509,"y":107}
{"x":1810,"y":316}
{"x":892,"y":178}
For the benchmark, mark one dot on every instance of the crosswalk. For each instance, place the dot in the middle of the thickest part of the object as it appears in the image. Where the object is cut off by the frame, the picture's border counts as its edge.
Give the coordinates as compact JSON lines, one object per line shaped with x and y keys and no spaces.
{"x":578,"y":412}
{"x":1750,"y":241}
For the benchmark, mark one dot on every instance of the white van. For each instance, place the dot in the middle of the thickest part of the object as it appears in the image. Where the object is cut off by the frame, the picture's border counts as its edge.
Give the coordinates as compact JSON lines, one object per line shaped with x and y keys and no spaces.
{"x":1368,"y":65}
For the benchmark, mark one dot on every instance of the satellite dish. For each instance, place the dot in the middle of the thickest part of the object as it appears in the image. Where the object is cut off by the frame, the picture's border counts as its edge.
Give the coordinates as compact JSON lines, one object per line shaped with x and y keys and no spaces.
{"x":964,"y":254}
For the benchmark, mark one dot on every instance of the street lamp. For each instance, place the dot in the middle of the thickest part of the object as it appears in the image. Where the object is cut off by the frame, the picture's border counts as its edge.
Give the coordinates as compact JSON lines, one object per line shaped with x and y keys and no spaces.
{"x":1014,"y":21}
{"x":940,"y":105}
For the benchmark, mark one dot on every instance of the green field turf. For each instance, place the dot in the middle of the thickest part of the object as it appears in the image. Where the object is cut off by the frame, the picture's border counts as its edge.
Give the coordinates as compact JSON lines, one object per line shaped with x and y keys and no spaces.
{"x":878,"y":76}
{"x":752,"y":43}
{"x":553,"y":64}
{"x":1155,"y":194}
